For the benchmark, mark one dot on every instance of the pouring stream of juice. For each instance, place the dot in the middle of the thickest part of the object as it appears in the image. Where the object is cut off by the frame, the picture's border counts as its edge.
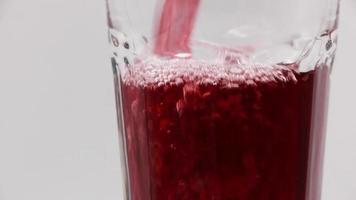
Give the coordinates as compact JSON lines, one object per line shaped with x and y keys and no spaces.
{"x":175,"y":27}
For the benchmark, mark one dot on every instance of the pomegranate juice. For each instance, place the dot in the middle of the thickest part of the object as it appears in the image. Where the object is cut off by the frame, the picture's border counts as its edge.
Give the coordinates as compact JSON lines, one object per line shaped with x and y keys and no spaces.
{"x":197,"y":131}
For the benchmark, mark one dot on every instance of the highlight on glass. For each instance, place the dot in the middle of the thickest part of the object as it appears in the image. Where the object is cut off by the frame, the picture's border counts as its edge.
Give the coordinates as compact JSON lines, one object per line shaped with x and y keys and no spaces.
{"x":222,"y":100}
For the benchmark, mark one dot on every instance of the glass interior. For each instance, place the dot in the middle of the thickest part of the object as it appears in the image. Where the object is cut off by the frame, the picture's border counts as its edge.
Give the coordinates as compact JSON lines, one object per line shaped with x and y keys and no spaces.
{"x":278,"y":31}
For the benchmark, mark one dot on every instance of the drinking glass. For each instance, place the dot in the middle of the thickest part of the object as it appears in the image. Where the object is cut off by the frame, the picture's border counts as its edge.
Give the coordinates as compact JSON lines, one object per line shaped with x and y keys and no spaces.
{"x":222,"y":100}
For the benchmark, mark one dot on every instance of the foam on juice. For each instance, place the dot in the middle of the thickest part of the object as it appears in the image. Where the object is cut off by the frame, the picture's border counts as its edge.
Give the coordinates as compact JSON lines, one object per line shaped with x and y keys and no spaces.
{"x":156,"y":72}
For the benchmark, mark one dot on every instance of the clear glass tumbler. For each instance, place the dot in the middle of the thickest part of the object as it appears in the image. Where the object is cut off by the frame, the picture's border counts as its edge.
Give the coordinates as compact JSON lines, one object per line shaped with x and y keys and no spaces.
{"x":222,"y":99}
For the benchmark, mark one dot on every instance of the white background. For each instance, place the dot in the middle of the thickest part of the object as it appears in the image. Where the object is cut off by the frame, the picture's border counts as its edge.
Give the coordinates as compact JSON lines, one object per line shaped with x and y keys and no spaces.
{"x":57,"y":115}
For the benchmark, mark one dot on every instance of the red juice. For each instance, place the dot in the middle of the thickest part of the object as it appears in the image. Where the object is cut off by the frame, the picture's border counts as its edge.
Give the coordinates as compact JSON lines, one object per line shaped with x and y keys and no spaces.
{"x":198,"y":131}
